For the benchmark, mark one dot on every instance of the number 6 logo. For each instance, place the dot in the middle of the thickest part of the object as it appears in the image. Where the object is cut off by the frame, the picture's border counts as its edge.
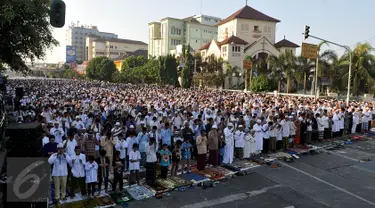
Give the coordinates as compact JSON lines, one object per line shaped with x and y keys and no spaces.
{"x":23,"y":177}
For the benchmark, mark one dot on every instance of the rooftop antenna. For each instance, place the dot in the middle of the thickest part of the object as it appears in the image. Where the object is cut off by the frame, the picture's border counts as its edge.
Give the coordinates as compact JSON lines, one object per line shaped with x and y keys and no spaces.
{"x":246,"y":2}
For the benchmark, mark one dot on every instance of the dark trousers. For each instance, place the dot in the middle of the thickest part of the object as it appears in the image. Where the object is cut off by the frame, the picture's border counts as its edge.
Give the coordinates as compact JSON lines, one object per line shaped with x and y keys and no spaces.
{"x":91,"y":188}
{"x":164,"y":172}
{"x":100,"y":182}
{"x":118,"y":179}
{"x":150,"y":173}
{"x":134,"y":174}
{"x":327,"y":133}
{"x":78,"y":182}
{"x":265,"y":145}
{"x":201,"y":161}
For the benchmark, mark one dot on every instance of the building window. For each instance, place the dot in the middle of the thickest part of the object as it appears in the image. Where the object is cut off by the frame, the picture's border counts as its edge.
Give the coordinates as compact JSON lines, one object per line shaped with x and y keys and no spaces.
{"x":203,"y":53}
{"x":196,"y":41}
{"x":224,"y":51}
{"x":110,"y":46}
{"x":236,"y":48}
{"x":175,"y":31}
{"x":175,"y":42}
{"x":256,"y":28}
{"x":115,"y":47}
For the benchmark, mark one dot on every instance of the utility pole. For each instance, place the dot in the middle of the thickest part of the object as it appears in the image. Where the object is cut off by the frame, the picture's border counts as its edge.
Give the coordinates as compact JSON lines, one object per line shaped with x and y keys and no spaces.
{"x":347,"y":48}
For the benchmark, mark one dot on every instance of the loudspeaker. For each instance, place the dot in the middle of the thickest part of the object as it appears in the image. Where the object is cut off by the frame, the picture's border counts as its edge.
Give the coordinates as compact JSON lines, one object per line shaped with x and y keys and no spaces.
{"x":24,"y":140}
{"x":19,"y":92}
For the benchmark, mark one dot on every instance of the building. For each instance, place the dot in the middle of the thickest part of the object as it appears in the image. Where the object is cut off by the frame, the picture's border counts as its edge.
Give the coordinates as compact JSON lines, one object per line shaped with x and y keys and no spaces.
{"x":247,"y":32}
{"x":76,"y":37}
{"x":112,"y":47}
{"x":165,"y":35}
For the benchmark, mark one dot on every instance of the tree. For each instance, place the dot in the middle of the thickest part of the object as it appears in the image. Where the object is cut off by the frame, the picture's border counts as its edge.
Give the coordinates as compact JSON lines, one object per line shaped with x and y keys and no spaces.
{"x":132,"y":62}
{"x":25,"y":32}
{"x":187,"y":71}
{"x":305,"y":68}
{"x":283,"y":66}
{"x":168,"y":70}
{"x":229,"y":72}
{"x":100,"y":68}
{"x":263,"y":83}
{"x":362,"y":64}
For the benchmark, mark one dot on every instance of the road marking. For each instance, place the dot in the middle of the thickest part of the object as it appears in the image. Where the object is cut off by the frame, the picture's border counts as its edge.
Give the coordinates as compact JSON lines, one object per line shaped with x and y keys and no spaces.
{"x":230,"y":198}
{"x":329,"y":184}
{"x":290,"y":207}
{"x":344,"y":156}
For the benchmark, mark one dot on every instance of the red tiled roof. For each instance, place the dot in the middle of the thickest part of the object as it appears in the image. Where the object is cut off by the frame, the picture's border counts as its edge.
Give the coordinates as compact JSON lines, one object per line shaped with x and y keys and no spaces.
{"x":204,"y":47}
{"x":286,"y":43}
{"x":232,"y":39}
{"x":247,"y":12}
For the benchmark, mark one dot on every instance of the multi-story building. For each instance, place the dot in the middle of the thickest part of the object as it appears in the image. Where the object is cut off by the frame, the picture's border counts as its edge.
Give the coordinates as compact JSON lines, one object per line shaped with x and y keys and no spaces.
{"x":76,"y":37}
{"x":165,"y":35}
{"x":247,"y":32}
{"x":112,"y":47}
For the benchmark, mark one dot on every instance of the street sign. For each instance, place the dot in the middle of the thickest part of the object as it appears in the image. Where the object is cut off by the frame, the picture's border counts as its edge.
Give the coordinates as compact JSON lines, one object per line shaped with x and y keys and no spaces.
{"x":309,"y":51}
{"x":247,"y":64}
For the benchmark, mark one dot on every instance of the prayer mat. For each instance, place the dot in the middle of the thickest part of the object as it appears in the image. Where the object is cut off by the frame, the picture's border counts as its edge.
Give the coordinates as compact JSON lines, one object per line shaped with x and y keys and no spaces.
{"x":157,"y":188}
{"x":194,"y":177}
{"x":179,"y":182}
{"x":88,"y":203}
{"x":222,"y":171}
{"x":212,"y":174}
{"x":105,"y":201}
{"x":298,"y":150}
{"x":126,"y":197}
{"x":242,"y":165}
{"x":140,"y":192}
{"x":166,"y":183}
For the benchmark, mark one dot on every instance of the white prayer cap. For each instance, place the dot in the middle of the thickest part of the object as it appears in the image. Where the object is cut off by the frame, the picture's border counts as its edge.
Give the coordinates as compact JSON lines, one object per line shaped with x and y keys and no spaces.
{"x":230,"y":124}
{"x":240,"y":126}
{"x":214,"y":127}
{"x":290,"y":117}
{"x":131,"y":126}
{"x":117,"y":124}
{"x":259,"y":121}
{"x":60,"y":145}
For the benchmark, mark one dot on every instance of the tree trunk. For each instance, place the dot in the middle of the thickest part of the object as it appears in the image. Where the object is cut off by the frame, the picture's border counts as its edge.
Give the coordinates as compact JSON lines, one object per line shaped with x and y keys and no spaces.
{"x":287,"y":84}
{"x":304,"y":83}
{"x":279,"y":86}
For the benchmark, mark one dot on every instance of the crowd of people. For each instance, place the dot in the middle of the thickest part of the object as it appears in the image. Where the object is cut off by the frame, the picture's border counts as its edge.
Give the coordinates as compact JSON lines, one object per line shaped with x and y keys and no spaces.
{"x":95,"y":131}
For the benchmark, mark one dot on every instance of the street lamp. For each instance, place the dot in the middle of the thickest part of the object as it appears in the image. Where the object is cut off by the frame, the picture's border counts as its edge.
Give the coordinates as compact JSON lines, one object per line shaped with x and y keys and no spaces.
{"x":350,"y":73}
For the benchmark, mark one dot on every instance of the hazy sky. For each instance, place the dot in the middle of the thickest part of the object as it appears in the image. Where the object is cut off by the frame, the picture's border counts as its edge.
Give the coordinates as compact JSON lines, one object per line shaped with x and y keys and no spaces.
{"x":343,"y":21}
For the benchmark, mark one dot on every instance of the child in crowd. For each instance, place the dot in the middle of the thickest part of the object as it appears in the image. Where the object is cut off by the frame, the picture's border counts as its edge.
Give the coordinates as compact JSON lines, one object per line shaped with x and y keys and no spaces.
{"x":176,"y":157}
{"x":164,"y":161}
{"x":118,"y":165}
{"x":134,"y":159}
{"x":176,"y":135}
{"x":186,"y":155}
{"x":91,"y":168}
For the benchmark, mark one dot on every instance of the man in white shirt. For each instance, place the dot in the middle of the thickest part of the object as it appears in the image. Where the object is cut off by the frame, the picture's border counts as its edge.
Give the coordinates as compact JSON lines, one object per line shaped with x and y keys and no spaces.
{"x":70,"y":144}
{"x":239,"y":137}
{"x":121,"y":146}
{"x":58,"y":132}
{"x":45,"y":139}
{"x":77,"y":165}
{"x":60,"y":162}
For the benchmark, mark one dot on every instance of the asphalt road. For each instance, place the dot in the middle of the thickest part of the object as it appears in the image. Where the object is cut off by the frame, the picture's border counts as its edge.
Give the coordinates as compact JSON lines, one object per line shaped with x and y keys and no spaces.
{"x":340,"y":178}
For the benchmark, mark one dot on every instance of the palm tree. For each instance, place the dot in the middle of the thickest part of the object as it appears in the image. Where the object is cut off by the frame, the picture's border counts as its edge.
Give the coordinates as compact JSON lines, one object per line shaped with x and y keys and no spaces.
{"x":329,"y":67}
{"x":229,"y":71}
{"x":362,"y":63}
{"x":283,"y":66}
{"x":304,"y":67}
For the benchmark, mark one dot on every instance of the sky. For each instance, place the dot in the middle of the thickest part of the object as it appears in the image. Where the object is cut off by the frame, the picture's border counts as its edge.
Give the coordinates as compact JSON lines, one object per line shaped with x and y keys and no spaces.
{"x":346,"y":22}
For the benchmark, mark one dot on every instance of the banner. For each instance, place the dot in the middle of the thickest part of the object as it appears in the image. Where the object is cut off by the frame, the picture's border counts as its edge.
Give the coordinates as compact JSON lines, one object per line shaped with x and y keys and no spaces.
{"x":70,"y":54}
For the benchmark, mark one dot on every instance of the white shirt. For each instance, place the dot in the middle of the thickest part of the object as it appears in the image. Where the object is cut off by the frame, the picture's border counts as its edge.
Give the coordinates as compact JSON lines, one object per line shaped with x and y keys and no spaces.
{"x":70,"y":146}
{"x":121,"y":146}
{"x":58,"y":133}
{"x":130,"y":141}
{"x":151,"y":153}
{"x":78,"y":165}
{"x":239,"y":137}
{"x":134,"y":156}
{"x":60,"y":164}
{"x":91,"y":172}
{"x":45,"y":140}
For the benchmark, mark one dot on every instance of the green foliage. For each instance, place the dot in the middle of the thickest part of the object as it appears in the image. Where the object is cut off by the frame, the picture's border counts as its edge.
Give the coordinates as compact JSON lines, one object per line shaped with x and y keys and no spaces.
{"x":25,"y":32}
{"x":263,"y":84}
{"x":187,"y":71}
{"x":100,"y":68}
{"x":132,"y":62}
{"x":168,"y":70}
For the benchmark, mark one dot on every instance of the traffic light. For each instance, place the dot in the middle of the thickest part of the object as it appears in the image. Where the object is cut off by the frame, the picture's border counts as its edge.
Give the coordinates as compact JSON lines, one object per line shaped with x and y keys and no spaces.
{"x":57,"y":15}
{"x":307,"y":31}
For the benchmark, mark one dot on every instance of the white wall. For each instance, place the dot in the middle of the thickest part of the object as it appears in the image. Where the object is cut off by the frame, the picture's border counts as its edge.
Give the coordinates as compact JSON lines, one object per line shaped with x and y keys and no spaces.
{"x":267,"y":29}
{"x":230,"y":27}
{"x":282,"y":50}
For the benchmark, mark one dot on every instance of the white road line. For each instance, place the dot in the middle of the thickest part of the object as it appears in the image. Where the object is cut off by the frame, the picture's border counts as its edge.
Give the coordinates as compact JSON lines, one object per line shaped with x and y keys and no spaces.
{"x":329,"y":184}
{"x":230,"y":198}
{"x":290,"y":207}
{"x":344,"y":156}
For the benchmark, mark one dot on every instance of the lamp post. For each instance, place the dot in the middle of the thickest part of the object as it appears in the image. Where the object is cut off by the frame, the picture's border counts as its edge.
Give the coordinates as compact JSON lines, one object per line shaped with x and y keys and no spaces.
{"x":350,"y":73}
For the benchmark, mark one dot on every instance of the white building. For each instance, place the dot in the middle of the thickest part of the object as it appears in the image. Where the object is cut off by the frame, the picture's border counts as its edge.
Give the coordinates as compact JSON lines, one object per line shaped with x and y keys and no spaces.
{"x":247,"y":32}
{"x":112,"y":47}
{"x":165,"y":35}
{"x":76,"y":37}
